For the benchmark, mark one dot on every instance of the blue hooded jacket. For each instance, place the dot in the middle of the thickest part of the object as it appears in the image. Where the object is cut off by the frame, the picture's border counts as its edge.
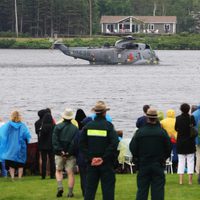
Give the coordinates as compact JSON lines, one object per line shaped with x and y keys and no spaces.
{"x":14,"y":137}
{"x":108,"y":117}
{"x":196,"y":115}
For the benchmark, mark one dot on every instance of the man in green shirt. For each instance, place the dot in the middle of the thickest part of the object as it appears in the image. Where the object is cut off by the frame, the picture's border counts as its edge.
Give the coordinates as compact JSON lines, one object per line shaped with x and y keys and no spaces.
{"x":63,"y":145}
{"x":150,"y":148}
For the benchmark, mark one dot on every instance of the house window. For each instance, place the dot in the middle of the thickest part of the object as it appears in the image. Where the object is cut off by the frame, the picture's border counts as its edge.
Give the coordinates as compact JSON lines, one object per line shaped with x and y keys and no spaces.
{"x":166,"y":28}
{"x":135,"y":28}
{"x":127,"y":26}
{"x":122,"y":28}
{"x":109,"y":28}
{"x":151,"y":27}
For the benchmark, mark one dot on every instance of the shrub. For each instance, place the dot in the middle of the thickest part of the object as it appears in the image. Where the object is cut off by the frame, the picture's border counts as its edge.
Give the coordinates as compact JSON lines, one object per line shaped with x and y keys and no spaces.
{"x":30,"y":44}
{"x":7,"y":43}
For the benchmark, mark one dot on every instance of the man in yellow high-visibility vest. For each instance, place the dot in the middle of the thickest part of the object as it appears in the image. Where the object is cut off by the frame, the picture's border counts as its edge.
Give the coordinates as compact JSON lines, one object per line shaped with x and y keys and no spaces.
{"x":99,"y":143}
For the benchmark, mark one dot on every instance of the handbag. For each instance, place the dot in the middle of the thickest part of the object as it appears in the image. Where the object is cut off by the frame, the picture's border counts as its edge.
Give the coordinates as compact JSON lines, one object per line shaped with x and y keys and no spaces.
{"x":193,"y":130}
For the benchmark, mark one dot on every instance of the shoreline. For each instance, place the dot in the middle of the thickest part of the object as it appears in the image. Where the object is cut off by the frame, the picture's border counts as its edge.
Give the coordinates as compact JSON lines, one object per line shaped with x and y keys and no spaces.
{"x":182,"y":41}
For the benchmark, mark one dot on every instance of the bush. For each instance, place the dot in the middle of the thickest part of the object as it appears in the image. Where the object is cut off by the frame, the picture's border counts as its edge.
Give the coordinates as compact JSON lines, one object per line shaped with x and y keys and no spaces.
{"x":13,"y":34}
{"x":7,"y":34}
{"x":7,"y":43}
{"x":43,"y":44}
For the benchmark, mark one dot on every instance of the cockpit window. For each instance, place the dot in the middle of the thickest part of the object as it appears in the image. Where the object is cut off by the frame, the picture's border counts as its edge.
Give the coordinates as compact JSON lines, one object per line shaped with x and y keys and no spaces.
{"x":130,"y":46}
{"x":147,"y":46}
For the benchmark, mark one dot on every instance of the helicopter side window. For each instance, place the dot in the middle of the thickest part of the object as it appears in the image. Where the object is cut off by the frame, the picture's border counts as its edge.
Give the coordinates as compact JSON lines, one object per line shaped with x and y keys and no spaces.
{"x":130,"y":46}
{"x":147,"y":46}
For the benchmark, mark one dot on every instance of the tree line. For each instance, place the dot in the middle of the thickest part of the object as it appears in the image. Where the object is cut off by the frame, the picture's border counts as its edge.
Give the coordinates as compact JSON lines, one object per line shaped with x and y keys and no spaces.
{"x":44,"y":18}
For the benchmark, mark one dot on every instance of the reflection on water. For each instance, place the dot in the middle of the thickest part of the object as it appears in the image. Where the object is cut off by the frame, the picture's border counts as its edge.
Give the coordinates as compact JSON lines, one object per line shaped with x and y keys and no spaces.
{"x":34,"y":79}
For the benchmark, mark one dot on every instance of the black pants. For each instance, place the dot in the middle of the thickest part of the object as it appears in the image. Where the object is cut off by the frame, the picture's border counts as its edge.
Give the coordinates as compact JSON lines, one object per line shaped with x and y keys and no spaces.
{"x":106,"y":174}
{"x":151,"y":175}
{"x":83,"y":174}
{"x":50,"y":154}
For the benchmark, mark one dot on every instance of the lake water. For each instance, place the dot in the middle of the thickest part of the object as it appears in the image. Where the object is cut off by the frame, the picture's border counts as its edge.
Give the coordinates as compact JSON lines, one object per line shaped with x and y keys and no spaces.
{"x":34,"y":79}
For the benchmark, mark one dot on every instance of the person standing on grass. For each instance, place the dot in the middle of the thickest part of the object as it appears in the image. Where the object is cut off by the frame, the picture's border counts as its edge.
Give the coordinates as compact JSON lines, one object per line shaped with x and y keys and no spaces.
{"x":38,"y":125}
{"x":141,"y":121}
{"x":63,"y":145}
{"x":45,"y":140}
{"x":99,"y":143}
{"x":150,"y":147}
{"x":14,"y":139}
{"x":169,"y":125}
{"x":82,"y":166}
{"x":185,"y":143}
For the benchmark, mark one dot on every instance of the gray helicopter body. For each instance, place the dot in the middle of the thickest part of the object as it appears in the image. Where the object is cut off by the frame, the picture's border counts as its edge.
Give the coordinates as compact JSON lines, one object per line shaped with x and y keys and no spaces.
{"x":125,"y":51}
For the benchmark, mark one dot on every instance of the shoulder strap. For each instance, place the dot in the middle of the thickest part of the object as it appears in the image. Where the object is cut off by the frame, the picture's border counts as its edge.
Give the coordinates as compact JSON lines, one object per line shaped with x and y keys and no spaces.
{"x":191,"y":124}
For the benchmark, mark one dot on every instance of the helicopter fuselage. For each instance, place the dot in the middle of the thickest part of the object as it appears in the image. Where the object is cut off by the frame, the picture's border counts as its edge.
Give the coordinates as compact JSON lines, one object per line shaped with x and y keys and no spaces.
{"x":124,"y":52}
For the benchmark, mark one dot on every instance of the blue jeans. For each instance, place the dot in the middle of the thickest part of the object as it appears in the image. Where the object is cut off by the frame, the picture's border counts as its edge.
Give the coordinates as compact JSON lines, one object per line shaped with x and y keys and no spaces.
{"x":3,"y":169}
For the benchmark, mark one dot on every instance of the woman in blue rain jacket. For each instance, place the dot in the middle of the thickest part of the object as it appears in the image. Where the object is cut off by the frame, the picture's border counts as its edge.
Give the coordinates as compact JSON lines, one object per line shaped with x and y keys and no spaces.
{"x":14,"y":136}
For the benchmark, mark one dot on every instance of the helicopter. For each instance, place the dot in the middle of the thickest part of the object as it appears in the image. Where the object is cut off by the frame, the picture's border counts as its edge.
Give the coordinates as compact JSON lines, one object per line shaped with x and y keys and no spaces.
{"x":124,"y":52}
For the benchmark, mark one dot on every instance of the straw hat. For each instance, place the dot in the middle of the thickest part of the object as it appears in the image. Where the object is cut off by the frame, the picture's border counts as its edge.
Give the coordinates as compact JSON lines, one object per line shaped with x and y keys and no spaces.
{"x":67,"y":114}
{"x":100,"y":107}
{"x":152,"y":113}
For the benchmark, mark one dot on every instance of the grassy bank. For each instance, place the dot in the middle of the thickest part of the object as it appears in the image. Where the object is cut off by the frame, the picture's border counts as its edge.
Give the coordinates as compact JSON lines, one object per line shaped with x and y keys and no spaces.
{"x":33,"y":188}
{"x":158,"y":42}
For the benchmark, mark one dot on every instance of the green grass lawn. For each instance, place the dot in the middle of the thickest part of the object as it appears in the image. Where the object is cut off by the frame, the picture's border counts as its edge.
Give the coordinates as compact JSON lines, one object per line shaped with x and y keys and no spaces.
{"x":32,"y":187}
